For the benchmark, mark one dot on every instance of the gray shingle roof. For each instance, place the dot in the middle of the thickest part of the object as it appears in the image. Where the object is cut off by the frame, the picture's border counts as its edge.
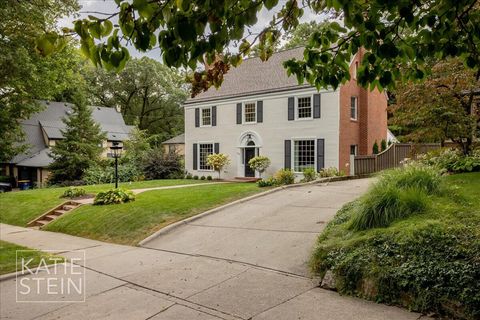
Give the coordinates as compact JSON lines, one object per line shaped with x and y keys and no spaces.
{"x":50,"y":120}
{"x":176,"y":140}
{"x":255,"y":76}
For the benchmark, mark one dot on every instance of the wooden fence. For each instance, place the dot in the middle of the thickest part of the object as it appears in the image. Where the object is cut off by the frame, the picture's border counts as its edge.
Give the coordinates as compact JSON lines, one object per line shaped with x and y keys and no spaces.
{"x":392,"y":157}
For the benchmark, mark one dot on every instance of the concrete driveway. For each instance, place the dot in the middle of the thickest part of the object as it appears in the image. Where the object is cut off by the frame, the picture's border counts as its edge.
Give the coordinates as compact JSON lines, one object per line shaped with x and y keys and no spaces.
{"x":244,"y":262}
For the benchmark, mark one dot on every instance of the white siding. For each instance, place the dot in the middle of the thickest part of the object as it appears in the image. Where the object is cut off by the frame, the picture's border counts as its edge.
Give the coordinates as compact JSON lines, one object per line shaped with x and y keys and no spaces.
{"x":274,"y":130}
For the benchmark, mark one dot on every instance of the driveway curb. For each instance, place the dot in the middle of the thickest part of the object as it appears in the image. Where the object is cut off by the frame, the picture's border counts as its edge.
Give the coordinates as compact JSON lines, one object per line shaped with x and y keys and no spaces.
{"x":180,"y":223}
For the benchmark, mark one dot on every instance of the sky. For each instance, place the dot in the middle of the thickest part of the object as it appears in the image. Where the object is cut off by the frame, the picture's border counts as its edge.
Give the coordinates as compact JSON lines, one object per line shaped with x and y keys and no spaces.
{"x":92,"y":7}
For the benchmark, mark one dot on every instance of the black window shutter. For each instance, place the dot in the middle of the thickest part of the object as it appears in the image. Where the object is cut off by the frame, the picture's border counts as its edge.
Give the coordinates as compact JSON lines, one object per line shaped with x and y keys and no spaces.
{"x":239,"y":113}
{"x":216,"y":148}
{"x":197,"y":117}
{"x":214,"y":116}
{"x":316,"y":106}
{"x":195,"y":157}
{"x":291,"y":108}
{"x":320,"y":154}
{"x":259,"y":111}
{"x":288,"y":154}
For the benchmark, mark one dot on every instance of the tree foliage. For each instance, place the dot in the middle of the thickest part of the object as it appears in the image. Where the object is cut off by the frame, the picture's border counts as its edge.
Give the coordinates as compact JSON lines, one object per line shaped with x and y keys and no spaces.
{"x":148,"y":93}
{"x":24,"y":74}
{"x":439,"y":109}
{"x":218,"y":161}
{"x":81,"y":146}
{"x":392,"y":33}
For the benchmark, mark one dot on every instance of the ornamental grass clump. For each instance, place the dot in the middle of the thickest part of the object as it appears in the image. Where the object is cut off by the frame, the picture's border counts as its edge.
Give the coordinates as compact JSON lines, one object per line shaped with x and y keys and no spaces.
{"x":399,"y":193}
{"x":114,"y":196}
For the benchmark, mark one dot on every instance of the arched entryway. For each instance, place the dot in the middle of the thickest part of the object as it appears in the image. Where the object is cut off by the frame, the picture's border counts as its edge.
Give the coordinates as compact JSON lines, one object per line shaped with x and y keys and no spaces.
{"x":250,"y":144}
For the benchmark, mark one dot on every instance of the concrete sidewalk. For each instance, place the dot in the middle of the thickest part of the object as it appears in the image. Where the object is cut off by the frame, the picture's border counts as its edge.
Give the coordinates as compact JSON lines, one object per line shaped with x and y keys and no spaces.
{"x":227,"y":266}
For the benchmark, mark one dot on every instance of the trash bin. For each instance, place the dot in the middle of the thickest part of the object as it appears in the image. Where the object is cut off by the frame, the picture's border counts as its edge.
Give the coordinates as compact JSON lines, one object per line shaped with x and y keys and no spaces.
{"x":24,"y":184}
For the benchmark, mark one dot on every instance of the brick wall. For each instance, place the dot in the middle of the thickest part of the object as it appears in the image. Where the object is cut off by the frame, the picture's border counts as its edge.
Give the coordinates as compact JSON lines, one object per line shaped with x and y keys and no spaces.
{"x":371,"y":123}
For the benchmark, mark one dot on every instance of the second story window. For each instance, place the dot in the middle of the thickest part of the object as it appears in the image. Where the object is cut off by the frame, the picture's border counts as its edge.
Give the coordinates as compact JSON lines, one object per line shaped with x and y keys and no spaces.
{"x":206,"y":117}
{"x":250,"y":112}
{"x":304,"y":108}
{"x":353,"y":108}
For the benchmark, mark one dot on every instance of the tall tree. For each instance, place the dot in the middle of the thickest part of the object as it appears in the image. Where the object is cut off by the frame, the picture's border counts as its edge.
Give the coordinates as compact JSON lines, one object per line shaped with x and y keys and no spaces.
{"x":440,"y":108}
{"x":81,"y":146}
{"x":300,"y":36}
{"x":148,"y":93}
{"x":393,"y":33}
{"x":24,"y":74}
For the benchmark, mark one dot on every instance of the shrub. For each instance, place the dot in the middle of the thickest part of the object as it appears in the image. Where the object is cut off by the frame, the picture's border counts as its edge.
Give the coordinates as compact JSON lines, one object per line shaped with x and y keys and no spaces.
{"x":309,"y":174}
{"x":452,"y":160}
{"x":195,"y":177}
{"x":330,"y":172}
{"x":202,"y":178}
{"x":70,"y":183}
{"x":424,"y":178}
{"x":157,"y":165}
{"x":384,"y":204}
{"x":259,"y":163}
{"x":73,"y":192}
{"x":188,"y":176}
{"x":383,"y":145}
{"x":209,"y":178}
{"x":104,"y":172}
{"x":267,"y":182}
{"x":284,"y":176}
{"x":113,"y":196}
{"x":375,"y":148}
{"x":218,"y":161}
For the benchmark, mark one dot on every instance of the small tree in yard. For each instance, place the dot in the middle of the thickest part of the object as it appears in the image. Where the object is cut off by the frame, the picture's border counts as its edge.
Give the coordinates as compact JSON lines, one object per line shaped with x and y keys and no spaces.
{"x":81,"y":146}
{"x":383,"y":144}
{"x":259,"y":163}
{"x":218,"y":161}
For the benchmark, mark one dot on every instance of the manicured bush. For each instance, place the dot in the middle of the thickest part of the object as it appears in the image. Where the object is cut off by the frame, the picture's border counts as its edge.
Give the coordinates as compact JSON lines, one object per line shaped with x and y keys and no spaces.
{"x":330,"y":172}
{"x":73,"y":192}
{"x":189,"y":176}
{"x":267,"y":182}
{"x":113,"y":196}
{"x":218,"y":161}
{"x":375,"y":147}
{"x":383,"y":145}
{"x":202,"y":178}
{"x":195,"y":177}
{"x":309,"y":174}
{"x":259,"y":163}
{"x":209,"y":178}
{"x":158,"y":165}
{"x":284,"y":176}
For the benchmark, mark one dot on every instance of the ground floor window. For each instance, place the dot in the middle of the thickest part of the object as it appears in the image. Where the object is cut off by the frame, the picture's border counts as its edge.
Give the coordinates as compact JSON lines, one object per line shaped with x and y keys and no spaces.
{"x":304,"y":155}
{"x":205,"y":149}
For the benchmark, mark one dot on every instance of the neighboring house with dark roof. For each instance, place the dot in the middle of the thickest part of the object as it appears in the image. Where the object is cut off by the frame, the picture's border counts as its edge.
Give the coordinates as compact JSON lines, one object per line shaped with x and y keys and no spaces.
{"x":259,"y":110}
{"x":44,"y":129}
{"x":175,"y":145}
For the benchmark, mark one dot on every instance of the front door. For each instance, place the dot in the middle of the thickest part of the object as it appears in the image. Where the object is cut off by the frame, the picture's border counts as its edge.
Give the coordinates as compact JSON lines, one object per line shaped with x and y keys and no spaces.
{"x":249,"y":154}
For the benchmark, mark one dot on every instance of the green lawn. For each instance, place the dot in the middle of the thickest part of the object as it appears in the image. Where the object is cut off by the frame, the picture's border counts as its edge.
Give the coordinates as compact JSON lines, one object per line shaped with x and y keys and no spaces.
{"x":429,"y":261}
{"x":131,"y":222}
{"x":8,"y":256}
{"x":19,"y":207}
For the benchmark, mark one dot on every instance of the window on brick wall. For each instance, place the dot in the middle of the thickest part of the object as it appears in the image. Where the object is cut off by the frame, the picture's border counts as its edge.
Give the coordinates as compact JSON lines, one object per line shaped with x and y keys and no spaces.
{"x":353,"y":150}
{"x":353,"y":108}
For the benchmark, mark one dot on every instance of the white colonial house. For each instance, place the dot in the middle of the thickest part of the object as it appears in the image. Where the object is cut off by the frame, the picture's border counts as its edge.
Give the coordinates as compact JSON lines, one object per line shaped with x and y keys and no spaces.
{"x":259,"y":110}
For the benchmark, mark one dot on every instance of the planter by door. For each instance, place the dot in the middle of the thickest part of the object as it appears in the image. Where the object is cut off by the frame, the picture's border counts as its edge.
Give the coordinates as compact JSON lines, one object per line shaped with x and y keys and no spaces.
{"x":249,"y":154}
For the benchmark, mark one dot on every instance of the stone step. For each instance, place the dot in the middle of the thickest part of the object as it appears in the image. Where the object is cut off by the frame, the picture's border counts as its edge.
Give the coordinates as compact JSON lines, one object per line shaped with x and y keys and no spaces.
{"x":59,"y":212}
{"x":42,"y":222}
{"x":50,"y":217}
{"x":69,"y":207}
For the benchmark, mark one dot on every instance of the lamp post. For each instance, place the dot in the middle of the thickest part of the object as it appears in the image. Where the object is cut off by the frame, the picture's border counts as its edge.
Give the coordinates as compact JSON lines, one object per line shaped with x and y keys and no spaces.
{"x":116,"y":153}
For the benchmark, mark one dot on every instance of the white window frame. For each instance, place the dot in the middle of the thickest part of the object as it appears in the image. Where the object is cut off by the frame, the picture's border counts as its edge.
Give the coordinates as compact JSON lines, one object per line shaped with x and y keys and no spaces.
{"x":292,"y":148}
{"x":356,"y":108}
{"x":355,"y":70}
{"x":244,"y":109}
{"x":199,"y":155}
{"x":297,"y":110}
{"x":201,"y":117}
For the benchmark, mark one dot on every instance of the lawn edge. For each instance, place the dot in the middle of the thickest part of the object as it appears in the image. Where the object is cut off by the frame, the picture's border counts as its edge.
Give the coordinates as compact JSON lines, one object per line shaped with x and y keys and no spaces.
{"x":182,"y":222}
